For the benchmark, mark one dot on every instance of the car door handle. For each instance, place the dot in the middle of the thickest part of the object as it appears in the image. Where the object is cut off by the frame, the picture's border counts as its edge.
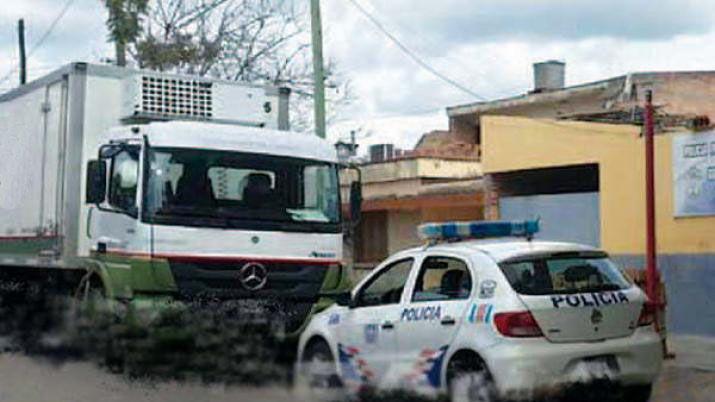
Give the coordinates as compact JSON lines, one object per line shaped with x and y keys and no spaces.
{"x":448,"y":321}
{"x":388,"y":325}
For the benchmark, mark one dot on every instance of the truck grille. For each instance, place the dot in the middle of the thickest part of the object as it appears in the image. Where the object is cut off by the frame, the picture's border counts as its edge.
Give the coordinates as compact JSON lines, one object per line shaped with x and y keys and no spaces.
{"x":221,"y":280}
{"x":287,"y":296}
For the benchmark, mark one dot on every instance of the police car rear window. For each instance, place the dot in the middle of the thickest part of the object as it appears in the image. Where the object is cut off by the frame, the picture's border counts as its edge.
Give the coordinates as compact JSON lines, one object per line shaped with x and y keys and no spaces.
{"x":564,"y":274}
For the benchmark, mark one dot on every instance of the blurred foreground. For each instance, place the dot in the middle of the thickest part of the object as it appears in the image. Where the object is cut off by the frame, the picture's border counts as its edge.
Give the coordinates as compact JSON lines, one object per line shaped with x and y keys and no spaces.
{"x":24,"y":379}
{"x":56,"y":350}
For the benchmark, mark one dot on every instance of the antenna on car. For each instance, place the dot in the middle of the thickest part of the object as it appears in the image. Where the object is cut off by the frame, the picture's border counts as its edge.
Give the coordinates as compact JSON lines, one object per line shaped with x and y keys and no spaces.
{"x":530,"y":235}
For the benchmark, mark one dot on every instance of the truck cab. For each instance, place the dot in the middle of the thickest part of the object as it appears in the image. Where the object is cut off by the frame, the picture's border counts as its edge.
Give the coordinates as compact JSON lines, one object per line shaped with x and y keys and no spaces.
{"x":155,"y":185}
{"x":198,"y":210}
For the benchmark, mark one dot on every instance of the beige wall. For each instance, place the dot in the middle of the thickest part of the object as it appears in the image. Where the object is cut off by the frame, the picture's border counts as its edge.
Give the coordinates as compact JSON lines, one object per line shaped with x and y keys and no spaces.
{"x":391,"y":189}
{"x":409,"y":177}
{"x":402,"y":230}
{"x":402,"y":225}
{"x":423,"y":167}
{"x":516,"y":143}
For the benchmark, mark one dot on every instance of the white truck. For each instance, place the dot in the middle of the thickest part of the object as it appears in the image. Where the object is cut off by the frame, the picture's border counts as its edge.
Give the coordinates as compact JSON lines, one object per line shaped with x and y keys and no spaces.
{"x":151,"y":185}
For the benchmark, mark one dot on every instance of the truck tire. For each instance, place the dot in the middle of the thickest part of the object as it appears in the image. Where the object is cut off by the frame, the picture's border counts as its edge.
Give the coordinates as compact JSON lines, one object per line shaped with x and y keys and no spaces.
{"x":90,"y":288}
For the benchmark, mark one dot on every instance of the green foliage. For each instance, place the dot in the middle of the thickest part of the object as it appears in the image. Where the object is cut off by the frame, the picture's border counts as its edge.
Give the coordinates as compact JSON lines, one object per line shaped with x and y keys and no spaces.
{"x":125,"y":18}
{"x":175,"y":51}
{"x":256,"y":41}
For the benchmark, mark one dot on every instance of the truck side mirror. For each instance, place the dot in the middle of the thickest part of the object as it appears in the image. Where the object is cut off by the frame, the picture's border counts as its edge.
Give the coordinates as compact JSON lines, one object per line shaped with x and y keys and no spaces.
{"x":355,"y":202}
{"x":96,"y":190}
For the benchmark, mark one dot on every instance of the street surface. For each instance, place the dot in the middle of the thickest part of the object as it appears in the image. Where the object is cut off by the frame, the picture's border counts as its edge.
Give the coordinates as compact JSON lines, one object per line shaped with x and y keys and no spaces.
{"x":23,"y":379}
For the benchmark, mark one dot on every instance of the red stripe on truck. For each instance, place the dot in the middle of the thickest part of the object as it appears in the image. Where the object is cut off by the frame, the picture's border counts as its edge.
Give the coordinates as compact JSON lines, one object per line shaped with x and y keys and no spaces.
{"x":224,"y":258}
{"x":28,"y":237}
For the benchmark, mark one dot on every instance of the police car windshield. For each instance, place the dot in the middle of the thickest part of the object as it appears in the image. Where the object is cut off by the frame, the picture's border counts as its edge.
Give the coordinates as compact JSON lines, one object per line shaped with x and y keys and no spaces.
{"x":564,"y":274}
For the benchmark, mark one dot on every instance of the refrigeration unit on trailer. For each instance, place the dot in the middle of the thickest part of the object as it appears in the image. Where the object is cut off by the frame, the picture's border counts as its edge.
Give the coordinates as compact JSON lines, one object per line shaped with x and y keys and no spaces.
{"x":152,"y":184}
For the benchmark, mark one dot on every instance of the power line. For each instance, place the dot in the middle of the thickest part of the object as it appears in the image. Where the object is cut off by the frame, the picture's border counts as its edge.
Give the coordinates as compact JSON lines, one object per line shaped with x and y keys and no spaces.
{"x":454,"y":61}
{"x":412,"y":55}
{"x":385,"y":116}
{"x":49,"y":30}
{"x":42,"y":39}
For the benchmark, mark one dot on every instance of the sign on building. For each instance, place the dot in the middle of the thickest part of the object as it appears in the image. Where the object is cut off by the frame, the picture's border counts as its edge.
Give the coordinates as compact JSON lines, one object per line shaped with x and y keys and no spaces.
{"x":694,"y":174}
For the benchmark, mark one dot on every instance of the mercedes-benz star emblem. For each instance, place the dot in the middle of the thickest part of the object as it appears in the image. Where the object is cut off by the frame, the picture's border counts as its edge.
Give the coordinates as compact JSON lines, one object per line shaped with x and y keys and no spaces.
{"x":596,"y":316}
{"x":253,"y":276}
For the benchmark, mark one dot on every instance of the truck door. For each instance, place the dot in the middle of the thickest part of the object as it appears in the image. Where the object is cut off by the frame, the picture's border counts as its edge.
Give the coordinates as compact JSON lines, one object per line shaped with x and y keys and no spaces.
{"x":113,"y":225}
{"x":367,"y":340}
{"x":53,"y":109}
{"x":437,"y":306}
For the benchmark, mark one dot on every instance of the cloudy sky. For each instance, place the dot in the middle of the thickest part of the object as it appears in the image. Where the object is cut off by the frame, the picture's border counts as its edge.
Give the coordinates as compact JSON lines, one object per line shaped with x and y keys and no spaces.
{"x":486,"y":46}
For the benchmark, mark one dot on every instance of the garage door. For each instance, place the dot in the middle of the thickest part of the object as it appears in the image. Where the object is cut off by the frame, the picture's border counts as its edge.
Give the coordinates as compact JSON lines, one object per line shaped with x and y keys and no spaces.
{"x":572,"y":217}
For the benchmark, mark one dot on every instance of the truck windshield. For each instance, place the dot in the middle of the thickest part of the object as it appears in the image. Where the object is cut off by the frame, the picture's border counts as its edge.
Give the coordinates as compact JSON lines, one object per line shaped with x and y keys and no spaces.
{"x":207,"y":187}
{"x":564,"y":274}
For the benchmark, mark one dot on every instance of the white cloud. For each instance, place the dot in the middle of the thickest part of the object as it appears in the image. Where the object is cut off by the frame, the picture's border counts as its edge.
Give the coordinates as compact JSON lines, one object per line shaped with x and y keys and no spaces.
{"x":487,"y":45}
{"x":80,"y":35}
{"x":597,"y":38}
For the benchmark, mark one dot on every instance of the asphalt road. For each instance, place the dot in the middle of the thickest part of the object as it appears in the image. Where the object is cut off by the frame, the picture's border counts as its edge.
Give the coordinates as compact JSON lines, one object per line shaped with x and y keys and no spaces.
{"x":24,"y":379}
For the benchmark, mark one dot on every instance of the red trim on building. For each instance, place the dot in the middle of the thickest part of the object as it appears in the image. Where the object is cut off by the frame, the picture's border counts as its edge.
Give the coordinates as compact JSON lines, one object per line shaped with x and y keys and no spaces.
{"x":474,"y":199}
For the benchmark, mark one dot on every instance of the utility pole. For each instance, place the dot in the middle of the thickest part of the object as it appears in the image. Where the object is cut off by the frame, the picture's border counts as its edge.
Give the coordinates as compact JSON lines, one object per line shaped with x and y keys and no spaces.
{"x":318,"y":72}
{"x":652,"y":276}
{"x":352,"y":143}
{"x":23,"y":58}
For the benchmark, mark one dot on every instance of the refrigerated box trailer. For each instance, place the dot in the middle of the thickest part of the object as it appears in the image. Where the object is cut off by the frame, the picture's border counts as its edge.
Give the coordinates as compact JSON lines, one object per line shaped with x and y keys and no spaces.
{"x":149,"y":184}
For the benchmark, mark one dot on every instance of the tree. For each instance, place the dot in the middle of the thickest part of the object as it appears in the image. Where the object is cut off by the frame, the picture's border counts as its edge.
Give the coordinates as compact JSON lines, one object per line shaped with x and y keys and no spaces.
{"x":124,"y":23}
{"x":257,"y":41}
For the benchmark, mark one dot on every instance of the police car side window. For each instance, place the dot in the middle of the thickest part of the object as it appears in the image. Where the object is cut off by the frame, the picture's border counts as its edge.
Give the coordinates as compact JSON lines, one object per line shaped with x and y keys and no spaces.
{"x":442,"y":278}
{"x":387,"y":286}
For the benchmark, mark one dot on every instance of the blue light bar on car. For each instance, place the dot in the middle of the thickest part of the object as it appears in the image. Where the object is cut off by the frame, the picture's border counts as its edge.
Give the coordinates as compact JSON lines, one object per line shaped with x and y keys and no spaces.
{"x":477,"y":230}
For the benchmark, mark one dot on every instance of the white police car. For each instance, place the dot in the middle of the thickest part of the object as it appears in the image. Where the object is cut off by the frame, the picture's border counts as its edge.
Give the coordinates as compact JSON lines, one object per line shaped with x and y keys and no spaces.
{"x":486,"y":318}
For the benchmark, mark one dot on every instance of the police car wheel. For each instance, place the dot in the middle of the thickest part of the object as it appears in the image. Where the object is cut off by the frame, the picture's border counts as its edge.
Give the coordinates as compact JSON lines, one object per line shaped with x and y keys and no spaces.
{"x":637,"y":393}
{"x":469,"y":384}
{"x":319,"y":372}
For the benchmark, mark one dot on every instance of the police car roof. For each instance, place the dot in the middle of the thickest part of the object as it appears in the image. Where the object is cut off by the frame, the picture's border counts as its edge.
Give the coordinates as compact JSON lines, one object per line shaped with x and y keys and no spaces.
{"x":501,"y":249}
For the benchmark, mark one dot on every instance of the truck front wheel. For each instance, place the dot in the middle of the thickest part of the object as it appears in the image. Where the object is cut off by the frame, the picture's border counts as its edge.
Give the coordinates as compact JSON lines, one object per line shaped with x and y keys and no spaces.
{"x":90,"y":288}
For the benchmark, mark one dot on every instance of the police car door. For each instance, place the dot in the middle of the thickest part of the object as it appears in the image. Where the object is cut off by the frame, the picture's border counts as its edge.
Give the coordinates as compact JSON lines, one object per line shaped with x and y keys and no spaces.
{"x":436,"y":307}
{"x":367,"y":336}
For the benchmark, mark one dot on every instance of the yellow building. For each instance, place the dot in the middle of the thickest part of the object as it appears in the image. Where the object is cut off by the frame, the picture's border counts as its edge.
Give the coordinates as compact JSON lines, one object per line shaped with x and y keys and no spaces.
{"x":519,"y":147}
{"x":575,"y":158}
{"x":617,"y":151}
